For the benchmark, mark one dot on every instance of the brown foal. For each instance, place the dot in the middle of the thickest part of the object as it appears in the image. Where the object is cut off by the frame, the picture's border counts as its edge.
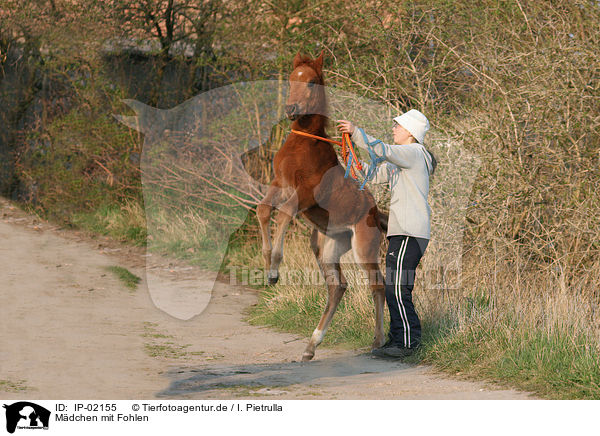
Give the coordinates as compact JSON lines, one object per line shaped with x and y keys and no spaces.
{"x":309,"y":180}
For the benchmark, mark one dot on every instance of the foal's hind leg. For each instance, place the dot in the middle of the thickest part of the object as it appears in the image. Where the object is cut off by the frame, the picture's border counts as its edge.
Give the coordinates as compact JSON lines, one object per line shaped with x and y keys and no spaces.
{"x":317,"y":240}
{"x":328,"y":251}
{"x":365,"y":246}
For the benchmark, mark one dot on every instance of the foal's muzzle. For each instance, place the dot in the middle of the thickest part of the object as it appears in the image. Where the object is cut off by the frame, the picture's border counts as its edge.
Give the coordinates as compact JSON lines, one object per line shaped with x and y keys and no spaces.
{"x":292,"y":111}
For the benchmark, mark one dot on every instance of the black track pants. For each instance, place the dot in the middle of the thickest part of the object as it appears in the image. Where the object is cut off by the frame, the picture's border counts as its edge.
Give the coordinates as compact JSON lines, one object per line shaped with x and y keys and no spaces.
{"x":404,"y":254}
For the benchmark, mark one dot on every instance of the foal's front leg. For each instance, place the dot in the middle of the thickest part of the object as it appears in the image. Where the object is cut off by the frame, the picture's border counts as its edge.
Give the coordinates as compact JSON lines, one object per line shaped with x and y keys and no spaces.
{"x":287,"y":211}
{"x":263,"y":213}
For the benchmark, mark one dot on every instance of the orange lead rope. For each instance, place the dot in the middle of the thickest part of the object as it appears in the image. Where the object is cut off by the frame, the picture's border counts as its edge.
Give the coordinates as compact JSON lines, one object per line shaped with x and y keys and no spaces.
{"x":347,"y":152}
{"x":355,"y":161}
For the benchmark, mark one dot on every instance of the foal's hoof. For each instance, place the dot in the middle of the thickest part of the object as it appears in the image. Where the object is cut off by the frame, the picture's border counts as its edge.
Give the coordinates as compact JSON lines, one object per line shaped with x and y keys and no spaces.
{"x":307,"y":356}
{"x":272,"y":279}
{"x":377,"y":343}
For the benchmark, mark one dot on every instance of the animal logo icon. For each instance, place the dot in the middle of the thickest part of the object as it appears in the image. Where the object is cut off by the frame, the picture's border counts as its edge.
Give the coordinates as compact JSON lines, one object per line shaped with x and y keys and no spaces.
{"x":25,"y":414}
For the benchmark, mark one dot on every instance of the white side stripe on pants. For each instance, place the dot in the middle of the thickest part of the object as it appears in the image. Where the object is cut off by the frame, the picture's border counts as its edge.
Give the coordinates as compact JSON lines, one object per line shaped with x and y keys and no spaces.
{"x":398,"y":292}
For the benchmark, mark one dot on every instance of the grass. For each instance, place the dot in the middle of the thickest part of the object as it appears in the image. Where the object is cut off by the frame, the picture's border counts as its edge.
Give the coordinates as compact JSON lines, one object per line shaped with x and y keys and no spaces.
{"x":122,"y":223}
{"x":127,"y":278}
{"x":184,"y":234}
{"x":550,"y":366}
{"x":13,"y":386}
{"x":163,"y":346}
{"x":187,"y":234}
{"x":502,"y":347}
{"x":169,"y":351}
{"x":157,"y":336}
{"x":301,"y":316}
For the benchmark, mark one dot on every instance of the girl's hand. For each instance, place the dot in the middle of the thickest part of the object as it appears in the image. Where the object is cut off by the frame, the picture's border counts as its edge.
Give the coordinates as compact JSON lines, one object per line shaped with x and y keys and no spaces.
{"x":345,"y":126}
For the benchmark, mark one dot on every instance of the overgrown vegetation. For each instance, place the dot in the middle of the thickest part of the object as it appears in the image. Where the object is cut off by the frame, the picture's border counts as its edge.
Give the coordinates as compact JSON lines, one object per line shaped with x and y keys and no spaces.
{"x":516,"y":84}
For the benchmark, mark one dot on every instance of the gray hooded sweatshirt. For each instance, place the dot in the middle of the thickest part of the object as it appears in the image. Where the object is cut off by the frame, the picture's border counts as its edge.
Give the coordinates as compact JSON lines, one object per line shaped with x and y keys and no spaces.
{"x":407,"y":169}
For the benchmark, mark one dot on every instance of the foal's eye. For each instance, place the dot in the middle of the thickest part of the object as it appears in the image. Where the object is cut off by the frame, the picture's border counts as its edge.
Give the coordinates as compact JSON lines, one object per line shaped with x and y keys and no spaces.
{"x":312,"y":83}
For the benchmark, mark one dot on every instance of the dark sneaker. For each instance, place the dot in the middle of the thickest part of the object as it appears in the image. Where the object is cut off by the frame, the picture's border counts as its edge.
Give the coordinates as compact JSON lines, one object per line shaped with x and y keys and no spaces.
{"x":380,"y":352}
{"x":391,"y":349}
{"x":398,"y":352}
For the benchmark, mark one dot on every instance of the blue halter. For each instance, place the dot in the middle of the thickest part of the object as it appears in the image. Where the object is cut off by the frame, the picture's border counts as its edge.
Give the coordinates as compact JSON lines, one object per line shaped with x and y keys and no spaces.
{"x":374,"y":160}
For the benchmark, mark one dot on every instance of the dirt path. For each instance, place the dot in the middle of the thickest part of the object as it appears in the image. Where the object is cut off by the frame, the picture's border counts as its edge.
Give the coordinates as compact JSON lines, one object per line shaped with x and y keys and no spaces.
{"x":71,"y":329}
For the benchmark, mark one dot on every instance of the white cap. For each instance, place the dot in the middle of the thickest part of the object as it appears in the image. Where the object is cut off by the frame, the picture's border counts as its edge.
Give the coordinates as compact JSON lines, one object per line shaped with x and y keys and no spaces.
{"x":415,"y":122}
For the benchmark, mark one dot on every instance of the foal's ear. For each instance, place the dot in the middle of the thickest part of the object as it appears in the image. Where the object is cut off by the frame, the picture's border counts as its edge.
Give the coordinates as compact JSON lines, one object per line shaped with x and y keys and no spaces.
{"x":297,"y":60}
{"x":318,"y":62}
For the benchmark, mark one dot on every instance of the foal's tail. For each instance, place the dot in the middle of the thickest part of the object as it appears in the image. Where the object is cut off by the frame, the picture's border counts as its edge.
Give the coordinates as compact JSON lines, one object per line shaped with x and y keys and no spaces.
{"x":382,"y":221}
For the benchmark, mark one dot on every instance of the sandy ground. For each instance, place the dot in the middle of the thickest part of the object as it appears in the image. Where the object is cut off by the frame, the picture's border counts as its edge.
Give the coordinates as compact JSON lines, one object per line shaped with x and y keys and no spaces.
{"x":72,"y":330}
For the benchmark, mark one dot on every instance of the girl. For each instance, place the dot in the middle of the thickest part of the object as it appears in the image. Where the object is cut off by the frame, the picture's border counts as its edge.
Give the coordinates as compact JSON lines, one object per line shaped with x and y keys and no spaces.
{"x":407,"y":169}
